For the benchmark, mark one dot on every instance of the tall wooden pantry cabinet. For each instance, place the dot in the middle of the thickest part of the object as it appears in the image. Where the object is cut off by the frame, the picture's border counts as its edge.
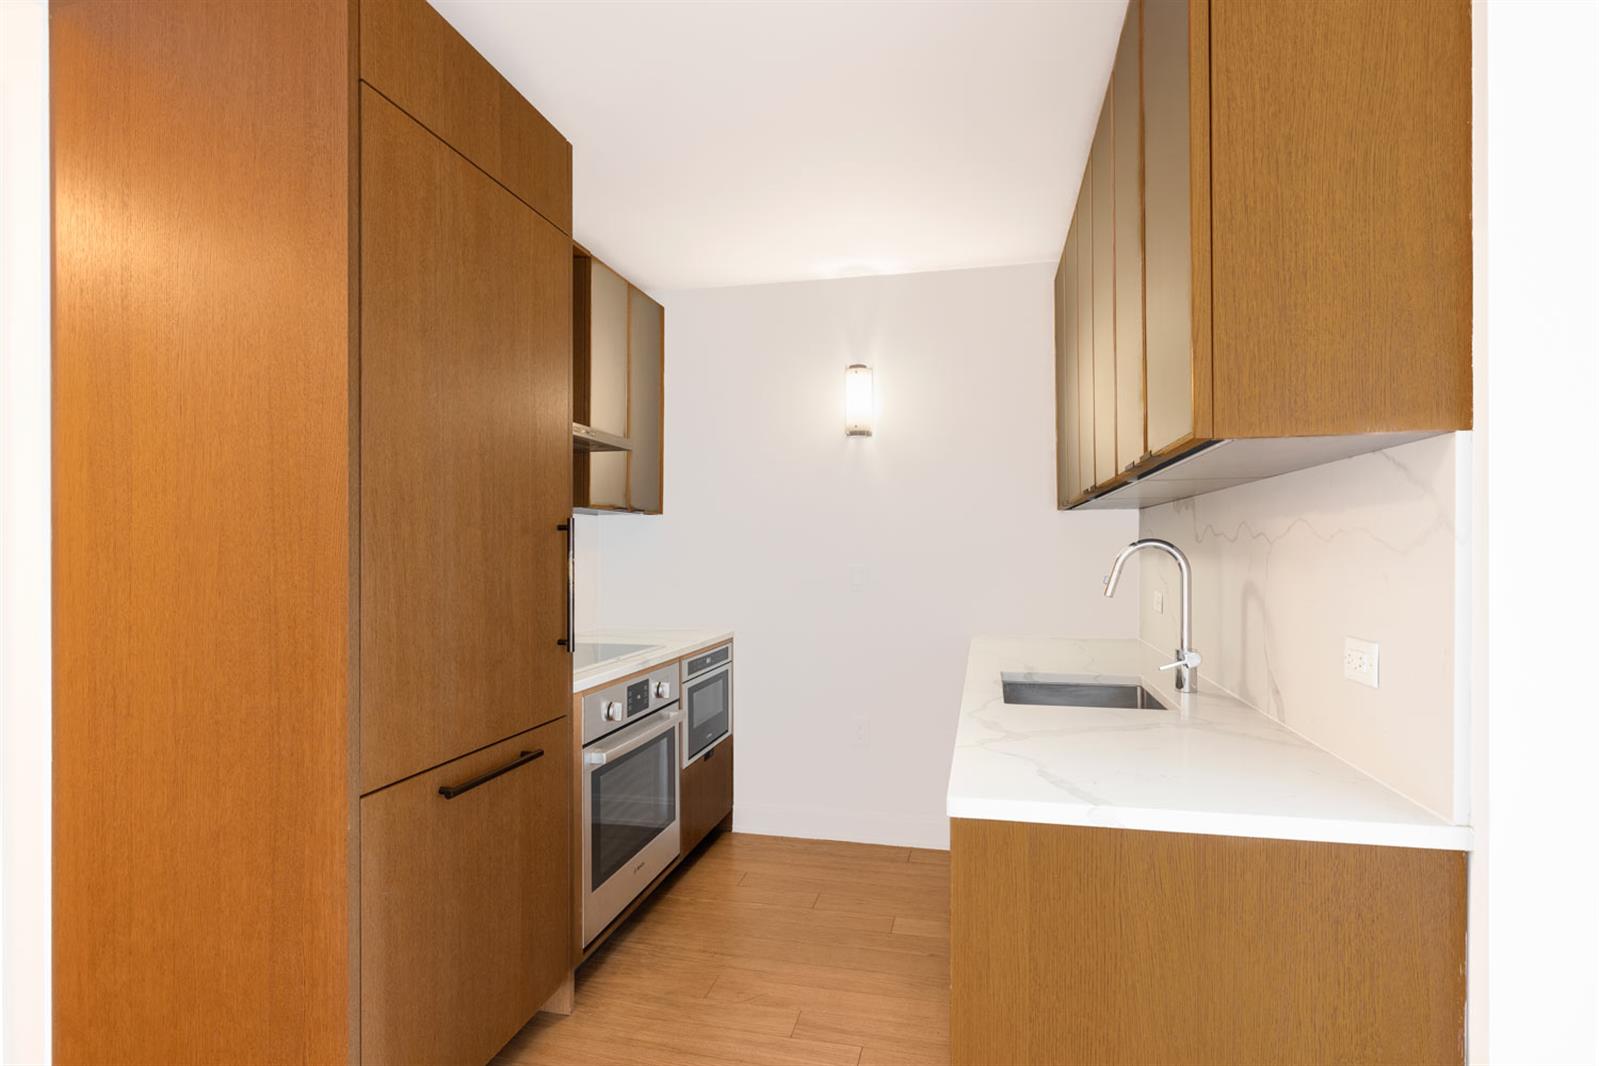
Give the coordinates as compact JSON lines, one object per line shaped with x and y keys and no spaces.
{"x":312,"y":477}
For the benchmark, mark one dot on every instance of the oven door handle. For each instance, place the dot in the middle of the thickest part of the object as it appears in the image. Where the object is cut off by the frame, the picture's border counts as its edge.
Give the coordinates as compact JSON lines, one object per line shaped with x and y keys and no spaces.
{"x":629,"y":739}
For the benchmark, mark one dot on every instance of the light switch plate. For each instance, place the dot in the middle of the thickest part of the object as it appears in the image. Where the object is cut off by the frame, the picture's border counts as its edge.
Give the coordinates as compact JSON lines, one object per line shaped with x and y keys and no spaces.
{"x":1360,"y":661}
{"x":1160,"y":602}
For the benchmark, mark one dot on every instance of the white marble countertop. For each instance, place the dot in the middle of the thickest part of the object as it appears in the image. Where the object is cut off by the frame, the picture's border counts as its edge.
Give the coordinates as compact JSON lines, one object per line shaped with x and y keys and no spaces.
{"x":660,"y":646}
{"x":1210,"y":765}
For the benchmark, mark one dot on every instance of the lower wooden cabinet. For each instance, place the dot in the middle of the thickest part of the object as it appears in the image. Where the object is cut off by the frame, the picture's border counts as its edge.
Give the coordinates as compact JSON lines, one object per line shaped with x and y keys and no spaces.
{"x":465,"y":901}
{"x":707,"y":793}
{"x":1079,"y":945}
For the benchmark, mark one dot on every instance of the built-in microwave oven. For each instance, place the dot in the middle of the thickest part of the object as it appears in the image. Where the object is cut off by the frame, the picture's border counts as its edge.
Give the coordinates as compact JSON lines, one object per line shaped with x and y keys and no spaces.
{"x":707,"y":699}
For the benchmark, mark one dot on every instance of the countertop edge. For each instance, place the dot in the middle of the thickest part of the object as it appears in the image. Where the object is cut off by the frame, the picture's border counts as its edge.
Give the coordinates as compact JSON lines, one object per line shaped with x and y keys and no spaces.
{"x":614,"y":670}
{"x":1210,"y":823}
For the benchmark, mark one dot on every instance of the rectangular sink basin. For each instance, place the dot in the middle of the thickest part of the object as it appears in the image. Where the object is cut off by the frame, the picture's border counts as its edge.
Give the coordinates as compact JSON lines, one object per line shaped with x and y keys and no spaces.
{"x":1082,"y":694}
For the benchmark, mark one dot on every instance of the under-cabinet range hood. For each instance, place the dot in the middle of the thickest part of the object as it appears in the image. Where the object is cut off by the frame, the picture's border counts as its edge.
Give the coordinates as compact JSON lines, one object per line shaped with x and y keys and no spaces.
{"x":589,"y":439}
{"x":1222,"y":464}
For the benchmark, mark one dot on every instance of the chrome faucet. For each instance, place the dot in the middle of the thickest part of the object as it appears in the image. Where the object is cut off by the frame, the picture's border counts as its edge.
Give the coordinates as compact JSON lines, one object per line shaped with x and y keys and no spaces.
{"x":1187,"y":663}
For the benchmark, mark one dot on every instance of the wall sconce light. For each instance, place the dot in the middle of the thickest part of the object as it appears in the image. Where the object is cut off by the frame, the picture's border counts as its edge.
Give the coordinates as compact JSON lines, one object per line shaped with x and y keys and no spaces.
{"x":858,"y":400}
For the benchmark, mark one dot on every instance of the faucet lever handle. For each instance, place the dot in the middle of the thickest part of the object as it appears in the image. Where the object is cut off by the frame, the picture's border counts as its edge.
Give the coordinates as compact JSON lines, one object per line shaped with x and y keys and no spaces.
{"x":1185,"y":657}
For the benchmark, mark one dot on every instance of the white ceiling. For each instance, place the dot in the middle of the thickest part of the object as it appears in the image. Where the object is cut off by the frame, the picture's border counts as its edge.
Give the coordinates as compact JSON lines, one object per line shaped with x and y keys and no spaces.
{"x":733,"y":143}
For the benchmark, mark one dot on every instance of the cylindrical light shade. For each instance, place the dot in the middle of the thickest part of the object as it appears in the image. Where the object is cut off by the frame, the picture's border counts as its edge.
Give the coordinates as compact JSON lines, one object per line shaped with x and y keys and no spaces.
{"x":858,"y":400}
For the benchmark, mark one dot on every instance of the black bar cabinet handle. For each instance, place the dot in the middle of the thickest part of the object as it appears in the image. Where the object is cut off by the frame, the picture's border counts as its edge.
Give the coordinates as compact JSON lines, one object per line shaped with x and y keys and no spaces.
{"x":449,"y":792}
{"x":569,"y":641}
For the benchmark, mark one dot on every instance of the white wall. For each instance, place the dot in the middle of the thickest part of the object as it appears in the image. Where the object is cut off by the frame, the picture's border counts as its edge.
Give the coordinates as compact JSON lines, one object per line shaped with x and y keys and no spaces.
{"x":1286,"y":568}
{"x":24,"y":536}
{"x":1541,"y":386}
{"x":855,"y":571}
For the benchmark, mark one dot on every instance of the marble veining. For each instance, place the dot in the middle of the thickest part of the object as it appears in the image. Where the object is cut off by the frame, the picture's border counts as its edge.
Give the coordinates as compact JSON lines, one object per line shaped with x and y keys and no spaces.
{"x":1286,"y":568}
{"x":1209,"y":764}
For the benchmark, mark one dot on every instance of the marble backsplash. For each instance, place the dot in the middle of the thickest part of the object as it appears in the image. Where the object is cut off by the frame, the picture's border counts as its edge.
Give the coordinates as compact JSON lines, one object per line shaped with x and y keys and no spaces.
{"x":1372,"y":547}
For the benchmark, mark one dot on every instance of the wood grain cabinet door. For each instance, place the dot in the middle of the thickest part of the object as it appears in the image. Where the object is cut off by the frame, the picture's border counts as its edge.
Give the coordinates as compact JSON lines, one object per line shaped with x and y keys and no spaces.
{"x":608,"y":382}
{"x":1070,"y":478}
{"x":1168,"y":244}
{"x":646,"y":338}
{"x":1101,"y":169}
{"x":465,"y":465}
{"x":465,"y":920}
{"x":1127,"y":88}
{"x":707,"y":793}
{"x":1084,"y":222}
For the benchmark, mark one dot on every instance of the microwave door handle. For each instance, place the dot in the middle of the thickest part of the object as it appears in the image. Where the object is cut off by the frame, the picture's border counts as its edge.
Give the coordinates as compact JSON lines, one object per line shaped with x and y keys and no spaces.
{"x":660,"y":722}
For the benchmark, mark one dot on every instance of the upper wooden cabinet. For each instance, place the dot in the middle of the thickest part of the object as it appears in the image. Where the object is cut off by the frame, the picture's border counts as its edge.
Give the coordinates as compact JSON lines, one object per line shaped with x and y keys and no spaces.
{"x":312,"y":464}
{"x":600,"y":381}
{"x":417,"y":60}
{"x":645,"y":400}
{"x":618,"y":370}
{"x":1291,"y":242}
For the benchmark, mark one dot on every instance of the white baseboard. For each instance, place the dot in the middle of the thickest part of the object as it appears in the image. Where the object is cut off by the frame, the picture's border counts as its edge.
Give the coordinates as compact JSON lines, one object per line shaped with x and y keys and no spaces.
{"x":828,"y":823}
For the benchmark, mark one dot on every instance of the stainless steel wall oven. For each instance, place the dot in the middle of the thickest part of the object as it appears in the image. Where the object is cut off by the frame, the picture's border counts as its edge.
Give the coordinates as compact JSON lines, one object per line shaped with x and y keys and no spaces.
{"x":631,"y":792}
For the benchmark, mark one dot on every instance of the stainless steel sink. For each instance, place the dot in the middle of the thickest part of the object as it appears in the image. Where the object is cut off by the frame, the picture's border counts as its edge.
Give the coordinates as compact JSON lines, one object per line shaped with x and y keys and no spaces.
{"x":1081,"y":694}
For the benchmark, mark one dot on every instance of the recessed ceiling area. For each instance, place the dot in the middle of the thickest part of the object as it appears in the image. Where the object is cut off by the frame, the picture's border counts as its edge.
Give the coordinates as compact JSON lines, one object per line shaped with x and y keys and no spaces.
{"x":742,"y":143}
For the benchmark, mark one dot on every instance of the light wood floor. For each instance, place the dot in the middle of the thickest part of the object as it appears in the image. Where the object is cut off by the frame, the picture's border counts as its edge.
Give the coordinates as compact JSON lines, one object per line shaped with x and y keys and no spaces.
{"x":768,"y":950}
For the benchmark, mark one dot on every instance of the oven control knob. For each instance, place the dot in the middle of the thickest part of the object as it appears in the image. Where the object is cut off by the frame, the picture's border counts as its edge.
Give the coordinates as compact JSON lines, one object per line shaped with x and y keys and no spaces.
{"x":614,"y":711}
{"x":663,"y":689}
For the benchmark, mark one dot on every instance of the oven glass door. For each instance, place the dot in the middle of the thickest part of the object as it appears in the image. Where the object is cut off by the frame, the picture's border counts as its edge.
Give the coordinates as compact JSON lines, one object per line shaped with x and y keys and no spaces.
{"x":708,"y":707}
{"x":632,"y":801}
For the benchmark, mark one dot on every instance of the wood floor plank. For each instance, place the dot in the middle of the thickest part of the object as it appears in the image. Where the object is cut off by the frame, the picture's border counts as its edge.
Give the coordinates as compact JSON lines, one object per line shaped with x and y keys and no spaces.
{"x":815,"y":850}
{"x":862,"y":897}
{"x":768,"y":950}
{"x":803,"y":974}
{"x":928,"y":1015}
{"x":899,"y":905}
{"x":808,"y":926}
{"x":820,"y":950}
{"x":929,"y":927}
{"x":905,"y":1053}
{"x":774,"y":915}
{"x":840,"y":873}
{"x":864,"y":1028}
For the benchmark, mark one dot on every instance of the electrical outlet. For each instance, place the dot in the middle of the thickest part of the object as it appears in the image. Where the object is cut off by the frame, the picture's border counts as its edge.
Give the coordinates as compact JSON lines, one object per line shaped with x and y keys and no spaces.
{"x":1160,"y":602}
{"x":1360,"y":661}
{"x":862,"y":731}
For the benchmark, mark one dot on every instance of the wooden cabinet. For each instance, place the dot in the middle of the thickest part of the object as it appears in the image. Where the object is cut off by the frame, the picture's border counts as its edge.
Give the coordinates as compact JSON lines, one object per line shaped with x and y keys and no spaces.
{"x":1169,"y":325}
{"x":464,"y":932}
{"x":312,"y":449}
{"x":1085,"y":333}
{"x":1102,"y":252}
{"x":618,"y":349}
{"x":1078,"y":945}
{"x":707,"y":793}
{"x":1128,"y":241}
{"x":463,"y":294}
{"x":1289,"y":202}
{"x":600,"y":380}
{"x":645,"y":400}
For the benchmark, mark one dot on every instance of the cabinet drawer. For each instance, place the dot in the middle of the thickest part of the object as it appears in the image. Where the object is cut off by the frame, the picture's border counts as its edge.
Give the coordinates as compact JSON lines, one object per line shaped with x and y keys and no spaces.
{"x":707,"y":793}
{"x":465,"y":901}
